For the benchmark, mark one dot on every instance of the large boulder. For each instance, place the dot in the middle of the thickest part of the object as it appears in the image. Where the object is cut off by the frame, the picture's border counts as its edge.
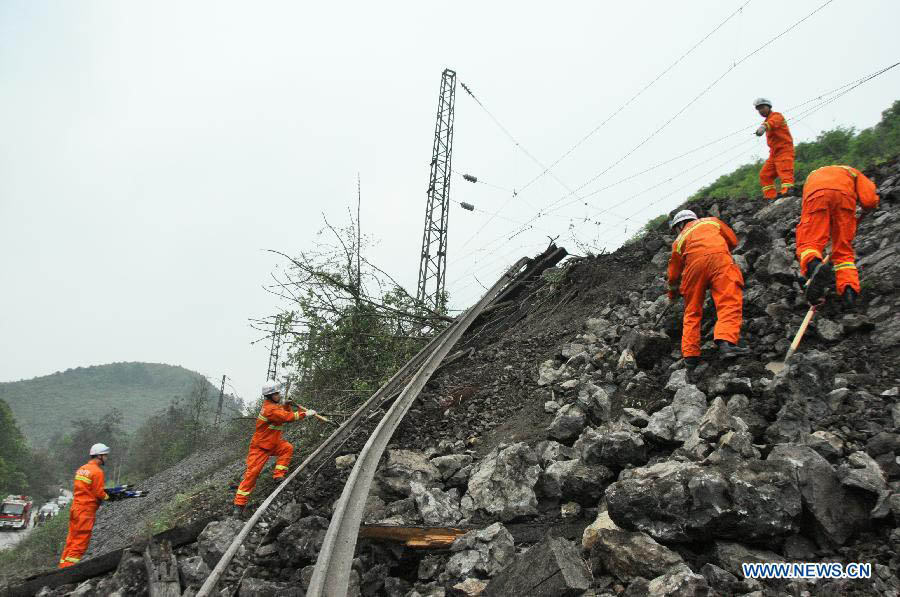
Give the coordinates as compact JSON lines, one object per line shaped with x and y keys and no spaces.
{"x":502,"y":484}
{"x":450,"y":464}
{"x":595,"y":402}
{"x":648,"y":347}
{"x":435,"y":506}
{"x":401,"y":467}
{"x":615,"y":448}
{"x":216,"y":538}
{"x":677,"y":421}
{"x":552,"y":568}
{"x":679,"y":581}
{"x":684,"y":502}
{"x":567,"y":424}
{"x":574,"y":480}
{"x":300,"y":542}
{"x":483,"y":552}
{"x":630,"y":554}
{"x":836,"y":514}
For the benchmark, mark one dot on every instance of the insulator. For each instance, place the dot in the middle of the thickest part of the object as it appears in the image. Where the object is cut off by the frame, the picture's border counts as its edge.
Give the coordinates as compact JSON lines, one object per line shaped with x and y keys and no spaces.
{"x":470,"y":178}
{"x":467,"y":206}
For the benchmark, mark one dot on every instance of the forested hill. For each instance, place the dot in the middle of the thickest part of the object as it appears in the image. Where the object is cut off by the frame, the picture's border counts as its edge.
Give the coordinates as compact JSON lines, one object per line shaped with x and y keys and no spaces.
{"x":45,"y":406}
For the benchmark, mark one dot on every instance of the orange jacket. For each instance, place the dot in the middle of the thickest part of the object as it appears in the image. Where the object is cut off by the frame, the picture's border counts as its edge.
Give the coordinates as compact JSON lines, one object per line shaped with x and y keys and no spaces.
{"x":849,"y":181}
{"x":88,"y":492}
{"x":700,"y":237}
{"x":778,"y":135}
{"x":269,"y":422}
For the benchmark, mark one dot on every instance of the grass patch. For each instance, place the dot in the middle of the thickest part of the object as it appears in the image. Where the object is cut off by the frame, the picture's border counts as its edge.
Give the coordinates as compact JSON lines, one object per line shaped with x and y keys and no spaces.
{"x":40,"y":550}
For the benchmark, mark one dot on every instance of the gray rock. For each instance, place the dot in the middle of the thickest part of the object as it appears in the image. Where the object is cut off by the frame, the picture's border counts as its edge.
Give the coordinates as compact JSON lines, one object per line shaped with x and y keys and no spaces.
{"x":677,"y":380}
{"x":216,"y":539}
{"x":345,"y":461}
{"x":549,"y":451}
{"x":612,"y":448}
{"x":471,"y":587}
{"x":486,"y":551}
{"x":734,"y":446}
{"x":679,"y":581}
{"x":549,"y":373}
{"x":731,"y":555}
{"x":257,"y":587}
{"x":791,"y":424}
{"x":574,"y":480}
{"x":193,"y":571}
{"x":300,"y":543}
{"x":551,"y":568}
{"x":861,"y":471}
{"x":715,"y":422}
{"x":678,"y":421}
{"x":827,"y":444}
{"x":568,"y":423}
{"x":551,"y":407}
{"x":636,"y":417}
{"x":836,"y":513}
{"x":648,"y":347}
{"x":684,"y":502}
{"x":739,"y":406}
{"x":600,"y":327}
{"x":436,"y":507}
{"x":450,"y":464}
{"x":595,"y":402}
{"x":780,"y":262}
{"x":722,"y":581}
{"x":629,"y":554}
{"x":502,"y":484}
{"x":727,"y":384}
{"x":828,"y":330}
{"x":404,"y":466}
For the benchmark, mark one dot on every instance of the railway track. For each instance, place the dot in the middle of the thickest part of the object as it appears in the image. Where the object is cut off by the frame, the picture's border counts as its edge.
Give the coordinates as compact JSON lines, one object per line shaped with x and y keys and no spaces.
{"x":332,"y":570}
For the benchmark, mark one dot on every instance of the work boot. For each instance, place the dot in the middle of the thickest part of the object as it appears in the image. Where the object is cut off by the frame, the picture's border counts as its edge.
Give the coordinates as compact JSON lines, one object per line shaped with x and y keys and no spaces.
{"x":237,"y":512}
{"x":727,"y":350}
{"x":691,"y":362}
{"x":820,"y":276}
{"x":849,"y":298}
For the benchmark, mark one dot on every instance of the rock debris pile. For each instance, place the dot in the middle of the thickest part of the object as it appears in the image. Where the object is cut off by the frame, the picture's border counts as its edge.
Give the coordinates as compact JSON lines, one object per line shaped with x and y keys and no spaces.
{"x":587,"y":460}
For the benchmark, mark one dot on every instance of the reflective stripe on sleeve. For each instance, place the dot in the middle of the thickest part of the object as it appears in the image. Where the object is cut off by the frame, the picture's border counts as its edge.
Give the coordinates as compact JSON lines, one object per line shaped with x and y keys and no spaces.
{"x":280,"y":467}
{"x":275,"y":427}
{"x":296,"y":415}
{"x":239,"y":492}
{"x":87,"y":480}
{"x":262,"y":418}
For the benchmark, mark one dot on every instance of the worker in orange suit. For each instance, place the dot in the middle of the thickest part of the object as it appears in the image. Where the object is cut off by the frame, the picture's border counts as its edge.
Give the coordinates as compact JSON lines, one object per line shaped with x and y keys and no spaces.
{"x":87,"y":495}
{"x":781,"y":150}
{"x":267,"y":442}
{"x":829,"y":211}
{"x":701,"y":259}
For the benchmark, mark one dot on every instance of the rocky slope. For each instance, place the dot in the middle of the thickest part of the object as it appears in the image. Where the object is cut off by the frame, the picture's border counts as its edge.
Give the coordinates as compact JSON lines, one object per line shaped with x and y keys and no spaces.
{"x":574,"y":412}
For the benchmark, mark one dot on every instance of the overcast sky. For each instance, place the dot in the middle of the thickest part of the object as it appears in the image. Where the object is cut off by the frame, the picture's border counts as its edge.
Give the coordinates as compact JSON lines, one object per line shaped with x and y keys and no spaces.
{"x":150,"y":152}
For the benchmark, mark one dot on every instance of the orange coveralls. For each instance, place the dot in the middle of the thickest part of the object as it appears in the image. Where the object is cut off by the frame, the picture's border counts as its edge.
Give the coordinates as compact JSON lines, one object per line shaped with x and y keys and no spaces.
{"x":781,"y":156}
{"x":267,"y":442}
{"x":829,"y":209}
{"x":87,"y":493}
{"x":701,"y":259}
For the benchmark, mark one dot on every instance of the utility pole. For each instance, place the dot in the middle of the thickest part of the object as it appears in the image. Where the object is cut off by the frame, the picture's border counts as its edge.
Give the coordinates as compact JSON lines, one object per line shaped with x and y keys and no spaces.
{"x":433,"y":260}
{"x":275,"y":349}
{"x":221,"y":399}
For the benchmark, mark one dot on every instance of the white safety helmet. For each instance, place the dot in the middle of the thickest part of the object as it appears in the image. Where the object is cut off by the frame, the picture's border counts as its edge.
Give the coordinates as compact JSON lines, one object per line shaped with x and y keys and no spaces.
{"x":272,"y":387}
{"x":761,"y":101}
{"x":681,"y":216}
{"x":99,"y":449}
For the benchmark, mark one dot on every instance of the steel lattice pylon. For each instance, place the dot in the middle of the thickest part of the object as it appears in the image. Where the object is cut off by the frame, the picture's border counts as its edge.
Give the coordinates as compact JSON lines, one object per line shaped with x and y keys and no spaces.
{"x":433,"y":262}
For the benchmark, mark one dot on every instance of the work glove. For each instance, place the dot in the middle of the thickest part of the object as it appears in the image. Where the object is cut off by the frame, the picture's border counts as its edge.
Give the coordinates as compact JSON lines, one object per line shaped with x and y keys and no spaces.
{"x":310,"y":412}
{"x":671,"y":296}
{"x":761,"y":130}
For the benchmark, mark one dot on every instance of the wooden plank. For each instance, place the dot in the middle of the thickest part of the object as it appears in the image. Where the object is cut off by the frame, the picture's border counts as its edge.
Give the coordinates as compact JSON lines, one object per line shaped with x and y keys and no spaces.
{"x":415,"y":537}
{"x":162,"y":570}
{"x":98,"y":565}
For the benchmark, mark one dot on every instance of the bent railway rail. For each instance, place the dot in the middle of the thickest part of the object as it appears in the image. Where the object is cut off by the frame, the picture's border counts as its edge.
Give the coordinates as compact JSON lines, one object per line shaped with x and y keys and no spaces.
{"x":331,"y":574}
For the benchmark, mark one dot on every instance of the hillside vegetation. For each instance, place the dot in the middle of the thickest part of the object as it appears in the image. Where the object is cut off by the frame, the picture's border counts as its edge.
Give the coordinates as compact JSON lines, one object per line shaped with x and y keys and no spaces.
{"x":47,"y":406}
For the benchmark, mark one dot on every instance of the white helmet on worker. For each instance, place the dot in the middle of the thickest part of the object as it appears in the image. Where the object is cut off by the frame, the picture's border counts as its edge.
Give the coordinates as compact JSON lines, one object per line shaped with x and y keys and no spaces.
{"x":682,"y":216}
{"x":271,"y":387}
{"x":99,"y":449}
{"x":761,"y":101}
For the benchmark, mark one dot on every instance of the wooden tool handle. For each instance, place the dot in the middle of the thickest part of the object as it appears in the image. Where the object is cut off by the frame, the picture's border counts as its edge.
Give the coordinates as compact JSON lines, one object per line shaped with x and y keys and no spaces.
{"x":800,"y":333}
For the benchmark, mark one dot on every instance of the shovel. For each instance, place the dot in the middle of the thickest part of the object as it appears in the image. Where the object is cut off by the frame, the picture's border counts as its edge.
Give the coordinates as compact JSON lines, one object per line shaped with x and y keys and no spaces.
{"x":778,"y":366}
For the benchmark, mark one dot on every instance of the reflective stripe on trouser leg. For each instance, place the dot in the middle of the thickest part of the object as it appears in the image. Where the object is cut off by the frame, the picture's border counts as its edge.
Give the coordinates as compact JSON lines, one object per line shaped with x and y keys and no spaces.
{"x":284,"y":450}
{"x":694,"y":281}
{"x":727,"y":286}
{"x":767,"y":178}
{"x":256,"y":459}
{"x":784,"y":166}
{"x":812,"y":232}
{"x":843,"y":257}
